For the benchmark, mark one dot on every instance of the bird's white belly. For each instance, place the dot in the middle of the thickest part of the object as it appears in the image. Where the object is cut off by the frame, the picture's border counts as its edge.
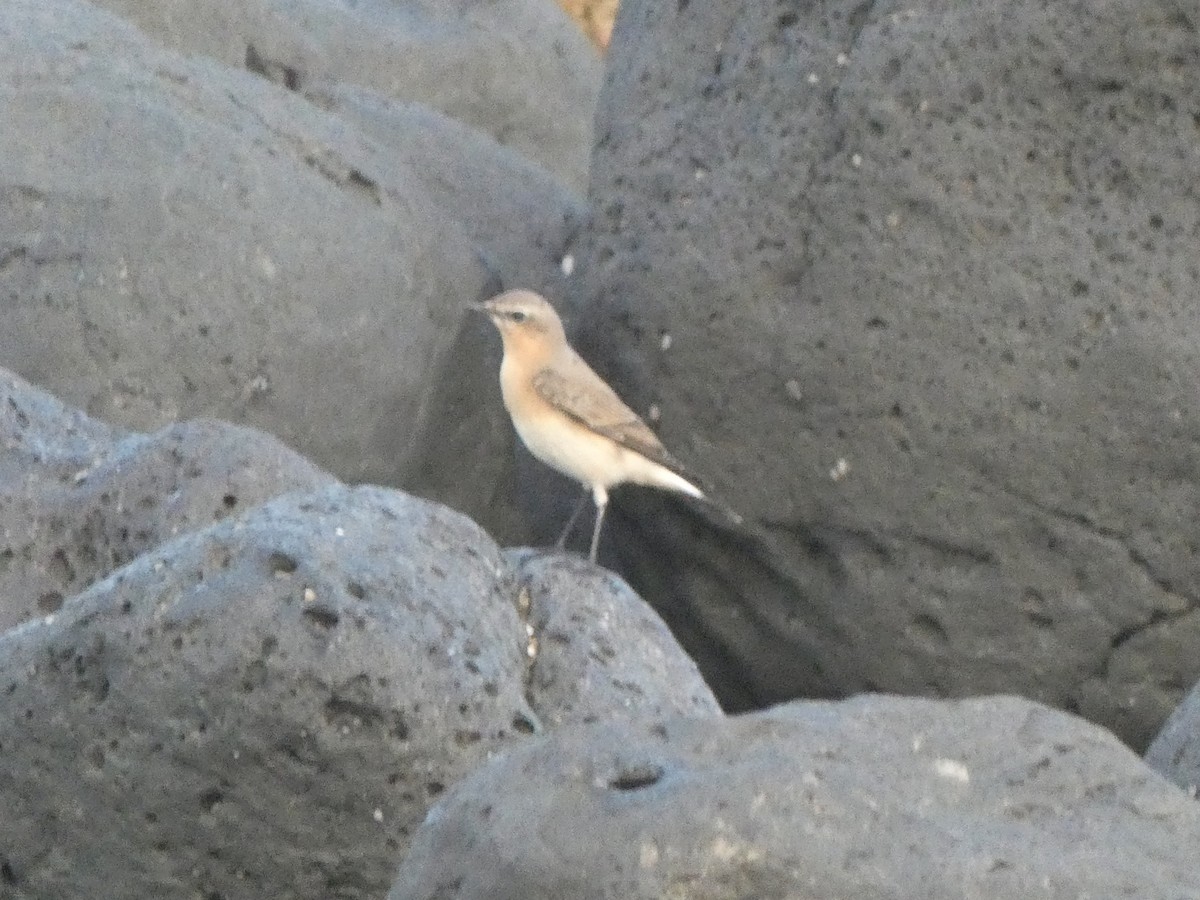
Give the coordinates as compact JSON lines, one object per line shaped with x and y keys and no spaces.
{"x":588,"y":458}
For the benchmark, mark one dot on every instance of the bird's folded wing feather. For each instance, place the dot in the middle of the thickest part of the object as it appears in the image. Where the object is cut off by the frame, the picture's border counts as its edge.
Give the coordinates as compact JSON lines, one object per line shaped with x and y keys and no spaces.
{"x":577,"y":391}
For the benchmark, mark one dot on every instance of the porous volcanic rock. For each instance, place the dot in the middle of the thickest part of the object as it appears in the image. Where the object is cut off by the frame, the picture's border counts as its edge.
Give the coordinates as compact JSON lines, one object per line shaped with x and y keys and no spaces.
{"x":598,"y":651}
{"x":79,"y":499}
{"x":874,"y":798}
{"x":253,"y":699}
{"x":914,"y":285}
{"x":263,"y":708}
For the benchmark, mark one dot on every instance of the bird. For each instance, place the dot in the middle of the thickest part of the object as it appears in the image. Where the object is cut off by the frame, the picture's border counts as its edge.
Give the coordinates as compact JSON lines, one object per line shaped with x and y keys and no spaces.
{"x":569,"y":417}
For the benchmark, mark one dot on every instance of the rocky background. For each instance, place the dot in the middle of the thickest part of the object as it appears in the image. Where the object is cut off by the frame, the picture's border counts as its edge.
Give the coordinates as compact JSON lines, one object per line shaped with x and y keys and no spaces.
{"x":909,"y":284}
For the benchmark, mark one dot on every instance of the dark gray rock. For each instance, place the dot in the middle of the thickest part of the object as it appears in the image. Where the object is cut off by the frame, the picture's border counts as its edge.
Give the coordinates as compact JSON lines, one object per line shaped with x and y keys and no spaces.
{"x":995,"y":799}
{"x":518,"y":70}
{"x":79,"y":499}
{"x":262,"y":709}
{"x":598,"y":652}
{"x":1175,"y":752}
{"x":928,"y":276}
{"x":203,"y":242}
{"x":507,"y":205}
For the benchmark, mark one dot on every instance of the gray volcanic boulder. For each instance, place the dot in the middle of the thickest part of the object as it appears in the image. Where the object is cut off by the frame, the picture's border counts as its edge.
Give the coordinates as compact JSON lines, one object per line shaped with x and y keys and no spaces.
{"x":914,"y":284}
{"x":1175,"y":752}
{"x":203,"y":242}
{"x":267,"y":705}
{"x":79,"y":499}
{"x":879,"y":797}
{"x":597,"y":651}
{"x":262,"y":709}
{"x":518,"y":70}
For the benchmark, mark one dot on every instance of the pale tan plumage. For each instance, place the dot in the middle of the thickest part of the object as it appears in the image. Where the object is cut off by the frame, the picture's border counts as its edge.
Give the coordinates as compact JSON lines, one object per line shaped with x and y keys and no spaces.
{"x":566,"y":414}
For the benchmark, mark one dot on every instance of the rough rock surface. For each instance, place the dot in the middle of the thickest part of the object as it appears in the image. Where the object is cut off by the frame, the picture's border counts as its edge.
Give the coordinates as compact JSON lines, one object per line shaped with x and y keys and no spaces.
{"x":1175,"y":752}
{"x":79,"y":499}
{"x":267,"y":704}
{"x":515,"y":69}
{"x":204,"y":242}
{"x":264,"y":708}
{"x":995,"y":799}
{"x":598,"y":651}
{"x":928,"y":274}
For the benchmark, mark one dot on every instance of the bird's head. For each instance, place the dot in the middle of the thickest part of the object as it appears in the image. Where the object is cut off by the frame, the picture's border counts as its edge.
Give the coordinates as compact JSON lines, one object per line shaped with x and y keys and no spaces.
{"x":524,"y":319}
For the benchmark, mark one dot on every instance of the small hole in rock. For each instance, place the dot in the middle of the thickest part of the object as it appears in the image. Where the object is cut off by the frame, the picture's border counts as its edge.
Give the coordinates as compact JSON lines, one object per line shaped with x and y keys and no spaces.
{"x":322,"y":615}
{"x":211,"y":798}
{"x":523,"y":725}
{"x":465,"y":738}
{"x":230,"y":501}
{"x":49,"y":602}
{"x":282,"y":564}
{"x":636,"y":778}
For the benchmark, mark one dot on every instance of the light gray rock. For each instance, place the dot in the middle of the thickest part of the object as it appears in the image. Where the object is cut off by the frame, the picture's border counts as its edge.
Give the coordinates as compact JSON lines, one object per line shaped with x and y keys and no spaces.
{"x":263,"y":708}
{"x":1175,"y":752}
{"x":873,"y":798}
{"x":202,"y":242}
{"x":928,"y":274}
{"x":518,"y":70}
{"x":598,"y":652}
{"x":255,"y":699}
{"x":79,"y":499}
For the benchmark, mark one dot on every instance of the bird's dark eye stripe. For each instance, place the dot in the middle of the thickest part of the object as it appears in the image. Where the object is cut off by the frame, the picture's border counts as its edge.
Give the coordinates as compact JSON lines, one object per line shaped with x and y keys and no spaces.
{"x":517,"y":316}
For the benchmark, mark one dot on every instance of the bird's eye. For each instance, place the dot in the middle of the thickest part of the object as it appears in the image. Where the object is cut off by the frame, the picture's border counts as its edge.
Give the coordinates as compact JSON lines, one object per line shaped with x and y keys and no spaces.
{"x":517,"y":316}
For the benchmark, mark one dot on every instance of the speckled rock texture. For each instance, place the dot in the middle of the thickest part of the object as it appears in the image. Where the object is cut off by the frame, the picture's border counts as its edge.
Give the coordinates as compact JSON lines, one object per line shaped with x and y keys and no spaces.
{"x":1175,"y":752}
{"x":79,"y":499}
{"x":203,"y":241}
{"x":914,"y":285}
{"x":877,"y":798}
{"x":263,"y":708}
{"x":597,"y":650}
{"x":205,"y":695}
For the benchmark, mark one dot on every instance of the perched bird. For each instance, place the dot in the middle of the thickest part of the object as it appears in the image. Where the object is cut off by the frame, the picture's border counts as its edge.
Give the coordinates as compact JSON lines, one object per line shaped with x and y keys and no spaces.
{"x":566,"y":414}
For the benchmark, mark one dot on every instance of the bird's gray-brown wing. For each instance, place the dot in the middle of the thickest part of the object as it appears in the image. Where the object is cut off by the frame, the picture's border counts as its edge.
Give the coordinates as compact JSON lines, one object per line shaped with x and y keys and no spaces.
{"x":574,"y":389}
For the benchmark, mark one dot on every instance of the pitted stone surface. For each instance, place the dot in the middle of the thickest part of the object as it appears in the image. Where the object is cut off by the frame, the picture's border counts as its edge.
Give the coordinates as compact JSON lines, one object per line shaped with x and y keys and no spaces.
{"x":79,"y":499}
{"x":875,"y":798}
{"x":263,"y":708}
{"x":914,"y":285}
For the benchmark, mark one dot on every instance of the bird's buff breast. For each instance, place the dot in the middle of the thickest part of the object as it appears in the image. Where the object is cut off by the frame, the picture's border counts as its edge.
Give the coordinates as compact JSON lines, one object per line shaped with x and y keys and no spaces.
{"x":562,"y":443}
{"x":573,"y":450}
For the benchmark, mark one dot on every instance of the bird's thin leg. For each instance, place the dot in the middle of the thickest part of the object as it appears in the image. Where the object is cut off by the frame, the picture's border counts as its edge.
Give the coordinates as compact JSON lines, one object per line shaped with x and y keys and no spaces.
{"x":600,"y":495}
{"x":566,"y":532}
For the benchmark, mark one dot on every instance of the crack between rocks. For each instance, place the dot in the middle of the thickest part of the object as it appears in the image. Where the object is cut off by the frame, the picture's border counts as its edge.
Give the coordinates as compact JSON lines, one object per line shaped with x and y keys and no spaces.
{"x":322,"y":160}
{"x":1083,"y":522}
{"x":1086,"y":523}
{"x":530,"y":652}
